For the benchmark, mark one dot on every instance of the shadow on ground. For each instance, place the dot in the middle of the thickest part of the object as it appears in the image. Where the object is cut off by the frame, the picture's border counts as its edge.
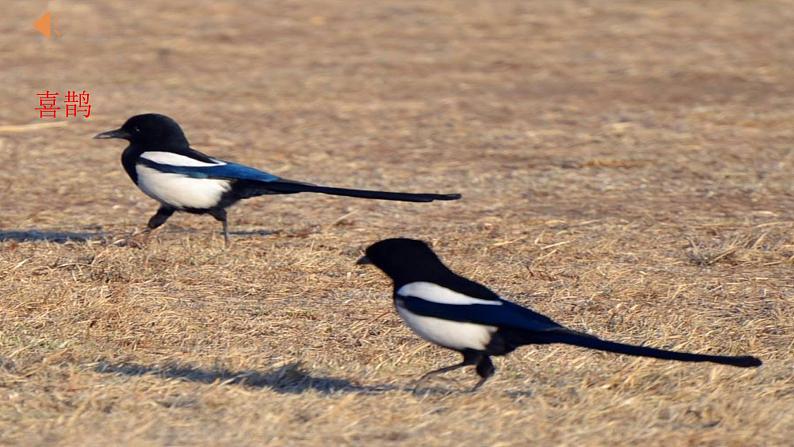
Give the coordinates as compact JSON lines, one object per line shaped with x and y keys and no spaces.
{"x":254,"y":233}
{"x":287,"y":379}
{"x":185,"y":230}
{"x":62,"y":237}
{"x":50,"y":236}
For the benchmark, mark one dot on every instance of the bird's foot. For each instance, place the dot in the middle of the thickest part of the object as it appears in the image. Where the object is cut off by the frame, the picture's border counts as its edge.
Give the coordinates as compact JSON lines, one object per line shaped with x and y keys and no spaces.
{"x":414,"y":385}
{"x":136,"y":239}
{"x":478,"y":385}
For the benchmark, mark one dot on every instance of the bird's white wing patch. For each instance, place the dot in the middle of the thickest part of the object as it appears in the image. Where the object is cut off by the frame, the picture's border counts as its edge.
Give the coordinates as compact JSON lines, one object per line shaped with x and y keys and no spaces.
{"x":451,"y":334}
{"x":429,"y":291}
{"x":170,"y":158}
{"x":180,"y":191}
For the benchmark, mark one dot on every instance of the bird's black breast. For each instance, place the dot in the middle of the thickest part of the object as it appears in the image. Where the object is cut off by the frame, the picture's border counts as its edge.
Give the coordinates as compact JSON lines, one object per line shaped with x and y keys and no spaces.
{"x":128,"y":160}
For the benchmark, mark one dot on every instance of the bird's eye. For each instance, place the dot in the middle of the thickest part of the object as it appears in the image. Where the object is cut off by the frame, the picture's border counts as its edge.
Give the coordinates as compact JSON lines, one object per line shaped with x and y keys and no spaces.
{"x":136,"y":129}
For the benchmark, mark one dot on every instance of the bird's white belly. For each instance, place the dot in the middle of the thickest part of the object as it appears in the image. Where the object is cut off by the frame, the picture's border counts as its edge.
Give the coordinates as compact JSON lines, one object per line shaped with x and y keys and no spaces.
{"x":180,"y":191}
{"x":451,"y":334}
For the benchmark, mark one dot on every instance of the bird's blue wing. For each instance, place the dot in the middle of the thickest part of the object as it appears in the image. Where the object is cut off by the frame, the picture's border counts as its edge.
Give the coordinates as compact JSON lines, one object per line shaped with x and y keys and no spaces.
{"x":225,"y":171}
{"x":506,"y":314}
{"x":234,"y":171}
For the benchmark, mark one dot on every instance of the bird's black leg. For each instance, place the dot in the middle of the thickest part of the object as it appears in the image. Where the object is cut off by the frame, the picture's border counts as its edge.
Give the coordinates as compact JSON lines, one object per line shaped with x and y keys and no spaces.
{"x":469,"y":358}
{"x":159,"y":218}
{"x":220,"y":214}
{"x":443,"y":370}
{"x":485,"y":370}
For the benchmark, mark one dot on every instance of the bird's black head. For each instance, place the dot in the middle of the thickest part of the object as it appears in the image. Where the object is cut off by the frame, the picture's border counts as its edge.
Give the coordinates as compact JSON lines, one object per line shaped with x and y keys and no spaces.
{"x":151,"y":130}
{"x":405,"y":260}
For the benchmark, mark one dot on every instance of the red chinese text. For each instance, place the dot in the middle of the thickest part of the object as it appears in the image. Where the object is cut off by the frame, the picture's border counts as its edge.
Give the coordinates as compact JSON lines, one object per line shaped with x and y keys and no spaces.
{"x":74,"y":104}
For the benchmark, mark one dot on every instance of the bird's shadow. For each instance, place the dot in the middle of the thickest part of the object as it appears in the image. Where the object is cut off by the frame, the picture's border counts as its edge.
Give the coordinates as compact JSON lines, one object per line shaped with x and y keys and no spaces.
{"x":62,"y":237}
{"x":243,"y":233}
{"x":254,"y":233}
{"x":59,"y":237}
{"x":286,"y":379}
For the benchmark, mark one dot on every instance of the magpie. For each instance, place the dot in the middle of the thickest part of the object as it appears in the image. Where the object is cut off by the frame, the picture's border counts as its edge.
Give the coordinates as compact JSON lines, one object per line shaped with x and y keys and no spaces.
{"x":160,"y":161}
{"x":451,"y":311}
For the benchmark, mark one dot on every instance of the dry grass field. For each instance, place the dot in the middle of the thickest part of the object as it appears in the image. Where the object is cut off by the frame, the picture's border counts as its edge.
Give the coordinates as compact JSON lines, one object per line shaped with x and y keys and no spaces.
{"x":626,"y":169}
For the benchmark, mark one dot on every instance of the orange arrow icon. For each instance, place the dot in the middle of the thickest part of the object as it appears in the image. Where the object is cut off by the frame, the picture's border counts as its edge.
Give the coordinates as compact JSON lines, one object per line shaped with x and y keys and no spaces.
{"x":44,"y":24}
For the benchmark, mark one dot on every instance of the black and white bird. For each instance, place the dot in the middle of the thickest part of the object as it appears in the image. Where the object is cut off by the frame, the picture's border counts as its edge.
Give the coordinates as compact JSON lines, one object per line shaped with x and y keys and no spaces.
{"x":453,"y":312}
{"x":162,"y":164}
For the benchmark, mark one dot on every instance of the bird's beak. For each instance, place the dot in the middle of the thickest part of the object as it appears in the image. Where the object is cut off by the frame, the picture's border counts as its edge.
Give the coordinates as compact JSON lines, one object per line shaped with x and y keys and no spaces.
{"x":117,"y":133}
{"x":364,"y":261}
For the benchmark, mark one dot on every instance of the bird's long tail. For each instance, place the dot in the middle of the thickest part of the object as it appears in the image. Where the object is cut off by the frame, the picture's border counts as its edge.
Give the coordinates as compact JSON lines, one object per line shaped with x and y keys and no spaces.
{"x":289,"y":187}
{"x":587,"y":341}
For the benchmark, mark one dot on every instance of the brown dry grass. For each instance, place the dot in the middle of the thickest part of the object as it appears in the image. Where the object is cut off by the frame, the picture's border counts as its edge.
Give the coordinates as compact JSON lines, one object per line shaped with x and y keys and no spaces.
{"x":626,"y":166}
